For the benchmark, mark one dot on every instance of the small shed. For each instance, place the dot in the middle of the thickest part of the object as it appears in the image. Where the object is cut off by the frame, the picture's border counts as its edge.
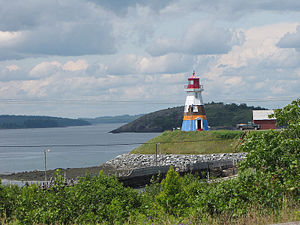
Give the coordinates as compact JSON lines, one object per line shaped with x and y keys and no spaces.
{"x":261,"y":117}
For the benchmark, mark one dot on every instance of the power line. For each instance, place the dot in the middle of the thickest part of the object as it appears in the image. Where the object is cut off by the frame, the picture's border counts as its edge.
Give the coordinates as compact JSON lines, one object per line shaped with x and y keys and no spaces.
{"x":94,"y":101}
{"x":101,"y":145}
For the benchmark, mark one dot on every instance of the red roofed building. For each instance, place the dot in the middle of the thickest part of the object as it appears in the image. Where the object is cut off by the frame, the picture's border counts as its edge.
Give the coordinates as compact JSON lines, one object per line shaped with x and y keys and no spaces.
{"x":261,"y":117}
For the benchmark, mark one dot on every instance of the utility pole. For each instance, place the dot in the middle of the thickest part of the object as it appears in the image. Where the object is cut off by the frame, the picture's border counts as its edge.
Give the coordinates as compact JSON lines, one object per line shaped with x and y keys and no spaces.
{"x":208,"y":170}
{"x":45,"y":162}
{"x":156,"y":153}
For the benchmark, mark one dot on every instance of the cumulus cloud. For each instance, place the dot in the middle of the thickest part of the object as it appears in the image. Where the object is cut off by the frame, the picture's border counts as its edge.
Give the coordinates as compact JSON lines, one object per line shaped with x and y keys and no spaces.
{"x":134,"y":64}
{"x":8,"y":38}
{"x":231,"y":9}
{"x":205,"y":38}
{"x":121,"y":6}
{"x":80,"y":64}
{"x":73,"y":28}
{"x":291,"y":40}
{"x":201,"y":38}
{"x":45,"y":69}
{"x":256,"y":69}
{"x":97,"y":69}
{"x":67,"y":40}
{"x":12,"y":67}
{"x":37,"y":28}
{"x":12,"y":72}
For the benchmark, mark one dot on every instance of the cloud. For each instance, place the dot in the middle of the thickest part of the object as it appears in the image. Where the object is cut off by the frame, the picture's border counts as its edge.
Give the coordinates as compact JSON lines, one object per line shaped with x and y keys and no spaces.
{"x":20,"y":15}
{"x":256,"y":69}
{"x":8,"y":38}
{"x":97,"y":69}
{"x":121,"y":6}
{"x":45,"y":69}
{"x":201,"y":38}
{"x":12,"y":72}
{"x":67,"y":40}
{"x":38,"y":28}
{"x":233,"y":81}
{"x":80,"y":64}
{"x":260,"y":44}
{"x":7,"y":41}
{"x":12,"y":67}
{"x":27,"y":15}
{"x":290,"y":40}
{"x":205,"y":38}
{"x":134,"y":64}
{"x":231,"y":9}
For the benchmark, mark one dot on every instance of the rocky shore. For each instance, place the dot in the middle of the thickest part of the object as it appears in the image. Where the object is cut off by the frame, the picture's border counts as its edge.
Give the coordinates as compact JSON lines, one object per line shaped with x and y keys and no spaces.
{"x":69,"y":173}
{"x":126,"y":163}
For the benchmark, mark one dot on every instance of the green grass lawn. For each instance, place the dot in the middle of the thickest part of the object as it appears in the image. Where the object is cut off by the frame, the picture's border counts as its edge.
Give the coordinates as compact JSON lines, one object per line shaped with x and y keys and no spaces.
{"x":193,"y":142}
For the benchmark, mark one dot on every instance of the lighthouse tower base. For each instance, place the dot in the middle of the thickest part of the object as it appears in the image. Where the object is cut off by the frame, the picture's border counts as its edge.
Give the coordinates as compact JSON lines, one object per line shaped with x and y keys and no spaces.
{"x":194,"y":124}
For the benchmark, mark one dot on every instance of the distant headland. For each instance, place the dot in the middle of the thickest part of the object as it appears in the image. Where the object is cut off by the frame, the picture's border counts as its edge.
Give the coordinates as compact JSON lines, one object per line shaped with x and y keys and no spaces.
{"x":219,"y":116}
{"x":20,"y":121}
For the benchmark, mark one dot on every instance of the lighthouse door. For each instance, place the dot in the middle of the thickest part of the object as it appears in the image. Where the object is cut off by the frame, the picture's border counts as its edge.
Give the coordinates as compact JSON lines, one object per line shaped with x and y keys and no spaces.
{"x":199,"y":127}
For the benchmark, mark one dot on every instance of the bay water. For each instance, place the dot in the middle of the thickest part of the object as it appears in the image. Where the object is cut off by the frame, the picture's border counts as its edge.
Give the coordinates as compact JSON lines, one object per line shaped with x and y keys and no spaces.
{"x":25,"y":155}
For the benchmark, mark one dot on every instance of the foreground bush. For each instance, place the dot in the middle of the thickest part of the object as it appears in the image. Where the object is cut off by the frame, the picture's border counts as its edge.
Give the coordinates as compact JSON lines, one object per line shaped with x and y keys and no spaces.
{"x":92,"y":200}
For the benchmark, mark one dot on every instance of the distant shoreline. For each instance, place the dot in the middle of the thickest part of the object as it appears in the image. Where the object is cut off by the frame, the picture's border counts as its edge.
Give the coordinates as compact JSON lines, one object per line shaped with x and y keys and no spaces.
{"x":70,"y":173}
{"x":21,"y":122}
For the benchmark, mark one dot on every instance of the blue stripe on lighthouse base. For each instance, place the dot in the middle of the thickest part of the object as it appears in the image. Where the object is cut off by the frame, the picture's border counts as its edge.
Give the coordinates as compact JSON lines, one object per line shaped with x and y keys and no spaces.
{"x":205,"y":125}
{"x":190,"y":125}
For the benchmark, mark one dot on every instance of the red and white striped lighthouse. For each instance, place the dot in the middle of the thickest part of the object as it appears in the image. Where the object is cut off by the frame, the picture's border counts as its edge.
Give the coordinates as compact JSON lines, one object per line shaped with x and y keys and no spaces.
{"x":194,"y":117}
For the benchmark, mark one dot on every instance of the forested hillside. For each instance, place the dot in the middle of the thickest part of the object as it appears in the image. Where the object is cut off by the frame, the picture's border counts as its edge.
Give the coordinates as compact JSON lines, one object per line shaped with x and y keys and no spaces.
{"x":14,"y":122}
{"x":219,"y":116}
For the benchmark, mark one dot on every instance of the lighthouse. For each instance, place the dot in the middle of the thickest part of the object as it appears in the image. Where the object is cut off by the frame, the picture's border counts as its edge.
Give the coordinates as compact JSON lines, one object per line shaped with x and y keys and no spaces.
{"x":194,"y":117}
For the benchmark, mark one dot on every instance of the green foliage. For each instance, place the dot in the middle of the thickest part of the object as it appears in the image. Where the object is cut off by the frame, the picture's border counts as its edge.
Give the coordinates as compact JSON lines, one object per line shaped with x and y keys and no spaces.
{"x":228,"y":115}
{"x":13,"y":122}
{"x":92,"y":200}
{"x":276,"y":153}
{"x":8,"y":196}
{"x":103,"y":198}
{"x":289,"y":115}
{"x":172,"y":197}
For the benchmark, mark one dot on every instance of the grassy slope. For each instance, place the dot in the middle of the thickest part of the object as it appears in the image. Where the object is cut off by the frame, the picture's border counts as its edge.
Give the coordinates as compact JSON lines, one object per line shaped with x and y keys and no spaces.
{"x":179,"y":142}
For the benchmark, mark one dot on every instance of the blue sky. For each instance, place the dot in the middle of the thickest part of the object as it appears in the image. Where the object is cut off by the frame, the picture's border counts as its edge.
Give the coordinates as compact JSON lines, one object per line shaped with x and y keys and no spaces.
{"x":88,"y":58}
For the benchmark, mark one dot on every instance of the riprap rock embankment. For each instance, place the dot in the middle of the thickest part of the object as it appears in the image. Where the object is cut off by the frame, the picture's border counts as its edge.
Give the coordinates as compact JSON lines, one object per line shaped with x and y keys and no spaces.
{"x":130,"y":162}
{"x":136,"y":161}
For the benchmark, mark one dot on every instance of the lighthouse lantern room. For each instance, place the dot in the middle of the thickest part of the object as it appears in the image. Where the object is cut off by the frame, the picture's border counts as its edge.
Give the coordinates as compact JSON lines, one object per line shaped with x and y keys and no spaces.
{"x":194,"y":117}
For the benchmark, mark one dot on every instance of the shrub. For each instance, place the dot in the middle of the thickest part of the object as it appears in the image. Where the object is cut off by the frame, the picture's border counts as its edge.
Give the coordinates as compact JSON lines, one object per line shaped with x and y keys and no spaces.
{"x":172,"y":196}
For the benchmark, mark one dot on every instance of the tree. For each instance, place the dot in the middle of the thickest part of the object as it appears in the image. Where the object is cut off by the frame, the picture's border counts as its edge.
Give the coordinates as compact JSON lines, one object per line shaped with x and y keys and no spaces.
{"x":172,"y":197}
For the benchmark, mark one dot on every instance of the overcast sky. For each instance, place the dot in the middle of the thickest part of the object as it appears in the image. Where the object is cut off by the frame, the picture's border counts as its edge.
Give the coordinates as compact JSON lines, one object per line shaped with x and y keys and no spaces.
{"x":88,"y":58}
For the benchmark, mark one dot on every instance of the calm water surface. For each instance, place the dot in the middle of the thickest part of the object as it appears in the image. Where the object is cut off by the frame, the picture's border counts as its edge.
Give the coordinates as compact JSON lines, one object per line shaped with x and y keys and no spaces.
{"x":16,"y":159}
